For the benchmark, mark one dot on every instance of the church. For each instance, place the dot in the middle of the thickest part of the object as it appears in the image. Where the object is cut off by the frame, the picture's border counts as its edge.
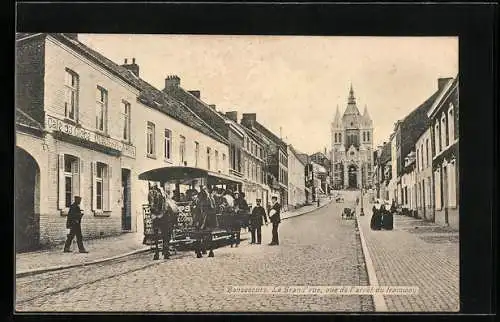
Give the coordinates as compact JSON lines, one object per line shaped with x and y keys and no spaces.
{"x":352,"y":147}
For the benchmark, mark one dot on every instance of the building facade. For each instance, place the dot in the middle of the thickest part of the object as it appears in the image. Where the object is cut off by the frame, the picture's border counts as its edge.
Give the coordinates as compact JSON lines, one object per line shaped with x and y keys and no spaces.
{"x":79,"y":101}
{"x":277,"y":157}
{"x":321,"y":159}
{"x":408,"y":185}
{"x":352,"y":147}
{"x":382,"y":171}
{"x":81,"y":117}
{"x":253,"y":163}
{"x":296,"y":179}
{"x":444,"y":116}
{"x":423,"y":169}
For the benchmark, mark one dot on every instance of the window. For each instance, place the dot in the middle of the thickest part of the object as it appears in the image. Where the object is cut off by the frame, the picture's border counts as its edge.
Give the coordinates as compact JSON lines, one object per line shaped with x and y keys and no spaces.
{"x":167,"y":144}
{"x":196,"y":153}
{"x":437,"y":189}
{"x":101,"y":109}
{"x":452,"y":188}
{"x":69,"y":179}
{"x":335,"y":138}
{"x":150,"y":139}
{"x":422,"y":156}
{"x":437,"y":138}
{"x":451,"y":124}
{"x":223,"y":160}
{"x":126,"y":120}
{"x":364,"y":136}
{"x":216,"y":160}
{"x":99,"y":188}
{"x":367,"y":136}
{"x":101,"y":183}
{"x":71,"y":83}
{"x":427,"y":161}
{"x":208,"y":158}
{"x":340,"y":137}
{"x":182,"y":149}
{"x":418,"y":160}
{"x":444,"y":141}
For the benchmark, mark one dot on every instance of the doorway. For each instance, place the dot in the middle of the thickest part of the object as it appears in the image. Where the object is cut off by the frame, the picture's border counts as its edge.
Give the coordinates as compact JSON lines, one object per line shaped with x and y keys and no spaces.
{"x":353,"y":177}
{"x":27,"y":202}
{"x":126,"y":206}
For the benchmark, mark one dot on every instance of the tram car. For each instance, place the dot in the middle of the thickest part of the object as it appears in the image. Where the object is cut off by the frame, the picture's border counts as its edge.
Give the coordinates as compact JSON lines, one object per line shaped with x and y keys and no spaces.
{"x":200,"y":225}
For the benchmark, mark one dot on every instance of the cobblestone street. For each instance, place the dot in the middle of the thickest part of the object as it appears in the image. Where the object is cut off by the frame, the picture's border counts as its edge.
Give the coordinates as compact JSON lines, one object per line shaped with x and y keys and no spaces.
{"x":416,"y":253}
{"x":315,"y":249}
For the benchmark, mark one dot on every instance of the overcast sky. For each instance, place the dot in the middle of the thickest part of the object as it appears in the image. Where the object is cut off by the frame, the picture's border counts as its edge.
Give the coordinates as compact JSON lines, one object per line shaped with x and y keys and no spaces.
{"x":294,"y":82}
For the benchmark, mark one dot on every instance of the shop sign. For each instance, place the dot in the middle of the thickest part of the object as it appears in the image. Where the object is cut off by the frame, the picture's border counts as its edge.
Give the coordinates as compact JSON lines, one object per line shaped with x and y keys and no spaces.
{"x":58,"y":125}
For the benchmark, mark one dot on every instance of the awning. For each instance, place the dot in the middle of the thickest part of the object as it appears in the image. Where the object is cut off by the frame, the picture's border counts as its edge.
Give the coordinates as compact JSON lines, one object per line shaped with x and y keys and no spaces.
{"x":220,"y":178}
{"x":183,"y":174}
{"x":176,"y":173}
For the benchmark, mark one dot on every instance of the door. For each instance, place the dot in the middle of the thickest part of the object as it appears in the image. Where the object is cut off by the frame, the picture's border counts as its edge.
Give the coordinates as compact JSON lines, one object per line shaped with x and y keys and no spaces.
{"x":353,"y":179}
{"x":126,"y":213}
{"x":27,"y":199}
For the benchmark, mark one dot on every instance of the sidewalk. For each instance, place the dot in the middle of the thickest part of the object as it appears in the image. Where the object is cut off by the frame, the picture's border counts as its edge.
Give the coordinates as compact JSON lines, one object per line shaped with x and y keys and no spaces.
{"x":104,"y":249}
{"x":415,"y":253}
{"x":101,"y":249}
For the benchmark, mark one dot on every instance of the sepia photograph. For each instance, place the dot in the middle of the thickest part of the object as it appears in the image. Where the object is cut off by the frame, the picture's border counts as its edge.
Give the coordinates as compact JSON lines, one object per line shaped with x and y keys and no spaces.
{"x":236,"y":173}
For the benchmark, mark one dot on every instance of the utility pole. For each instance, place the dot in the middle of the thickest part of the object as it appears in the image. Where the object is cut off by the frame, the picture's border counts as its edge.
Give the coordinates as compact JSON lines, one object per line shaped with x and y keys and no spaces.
{"x":361,"y":213}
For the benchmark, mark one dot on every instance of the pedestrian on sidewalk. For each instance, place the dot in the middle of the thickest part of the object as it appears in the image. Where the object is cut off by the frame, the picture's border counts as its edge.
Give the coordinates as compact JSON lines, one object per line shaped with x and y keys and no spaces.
{"x":73,"y":223}
{"x":257,"y":218}
{"x":274,"y":217}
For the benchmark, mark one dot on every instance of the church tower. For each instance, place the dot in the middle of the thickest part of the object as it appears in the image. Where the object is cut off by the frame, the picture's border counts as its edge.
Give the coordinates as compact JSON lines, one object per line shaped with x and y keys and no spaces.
{"x":352,"y":146}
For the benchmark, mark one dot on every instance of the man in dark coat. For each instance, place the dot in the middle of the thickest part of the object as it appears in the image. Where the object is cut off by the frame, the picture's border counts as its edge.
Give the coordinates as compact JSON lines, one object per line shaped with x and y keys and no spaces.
{"x":73,"y":223}
{"x":274,"y":217}
{"x":257,"y":219}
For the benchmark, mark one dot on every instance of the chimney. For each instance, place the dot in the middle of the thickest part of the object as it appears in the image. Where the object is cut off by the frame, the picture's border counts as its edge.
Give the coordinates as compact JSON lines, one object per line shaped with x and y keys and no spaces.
{"x":442,"y":82}
{"x":248,"y":119}
{"x":212,"y":106}
{"x":233,"y":116}
{"x":172,"y":81}
{"x":134,"y":68}
{"x":72,"y":36}
{"x":197,"y":94}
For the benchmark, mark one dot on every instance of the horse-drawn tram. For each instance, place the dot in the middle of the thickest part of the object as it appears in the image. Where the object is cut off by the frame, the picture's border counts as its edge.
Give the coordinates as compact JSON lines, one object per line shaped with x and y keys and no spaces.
{"x":195,"y":210}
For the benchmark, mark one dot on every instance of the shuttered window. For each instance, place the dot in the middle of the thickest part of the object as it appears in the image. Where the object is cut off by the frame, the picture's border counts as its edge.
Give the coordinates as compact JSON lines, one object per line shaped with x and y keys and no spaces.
{"x":70,"y":178}
{"x":101,"y":186}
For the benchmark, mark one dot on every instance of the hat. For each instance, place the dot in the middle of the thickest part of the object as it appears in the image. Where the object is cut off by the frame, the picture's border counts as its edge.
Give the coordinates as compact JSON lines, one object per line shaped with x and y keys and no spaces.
{"x":78,"y":198}
{"x":258,"y":200}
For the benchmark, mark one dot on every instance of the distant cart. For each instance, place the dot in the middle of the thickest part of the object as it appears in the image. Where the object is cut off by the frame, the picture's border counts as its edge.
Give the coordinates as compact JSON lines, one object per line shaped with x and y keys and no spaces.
{"x":189,"y":230}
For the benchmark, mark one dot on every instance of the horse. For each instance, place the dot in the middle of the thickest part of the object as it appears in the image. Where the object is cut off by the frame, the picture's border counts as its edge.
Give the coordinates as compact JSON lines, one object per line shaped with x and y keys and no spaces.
{"x":164,"y":216}
{"x":203,"y":222}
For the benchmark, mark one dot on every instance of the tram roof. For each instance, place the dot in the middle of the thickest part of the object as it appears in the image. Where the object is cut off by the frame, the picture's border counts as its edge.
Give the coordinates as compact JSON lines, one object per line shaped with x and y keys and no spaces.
{"x":178,"y":173}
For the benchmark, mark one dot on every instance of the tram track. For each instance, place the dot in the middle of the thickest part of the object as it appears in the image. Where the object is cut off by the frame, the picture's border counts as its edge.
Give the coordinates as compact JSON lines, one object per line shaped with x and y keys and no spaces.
{"x":47,"y":284}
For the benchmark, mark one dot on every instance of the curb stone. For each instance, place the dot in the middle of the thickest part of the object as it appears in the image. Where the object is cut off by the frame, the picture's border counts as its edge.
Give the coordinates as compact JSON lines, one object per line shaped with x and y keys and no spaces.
{"x":37,"y":271}
{"x":378,"y":299}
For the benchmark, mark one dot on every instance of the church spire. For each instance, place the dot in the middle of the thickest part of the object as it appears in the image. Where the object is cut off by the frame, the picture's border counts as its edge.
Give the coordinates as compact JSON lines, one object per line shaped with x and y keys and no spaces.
{"x":351,"y":104}
{"x":337,"y":115}
{"x":351,"y":99}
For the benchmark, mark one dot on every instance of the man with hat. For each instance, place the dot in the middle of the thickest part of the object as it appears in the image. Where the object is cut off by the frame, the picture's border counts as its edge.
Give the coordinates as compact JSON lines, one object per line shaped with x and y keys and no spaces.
{"x":73,"y":223}
{"x":257,"y":218}
{"x":274,"y":217}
